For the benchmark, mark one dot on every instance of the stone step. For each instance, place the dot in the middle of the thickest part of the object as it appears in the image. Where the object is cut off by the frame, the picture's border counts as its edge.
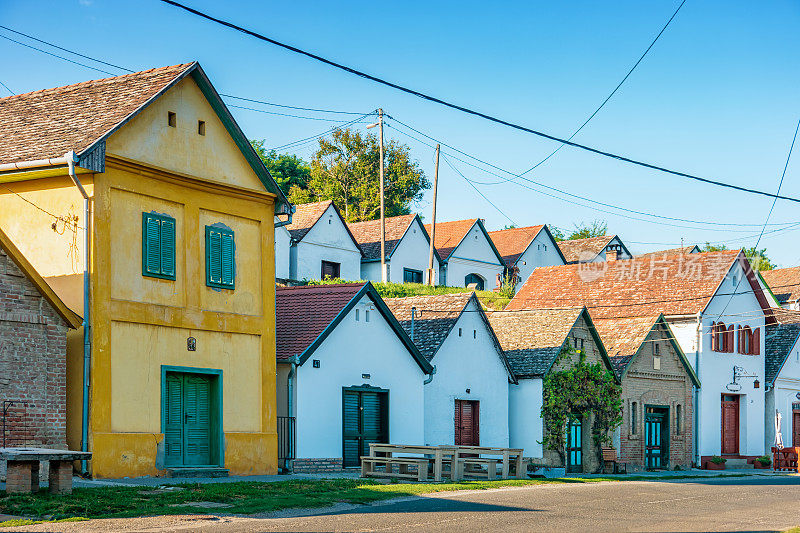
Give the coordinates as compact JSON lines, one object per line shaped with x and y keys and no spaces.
{"x":737,"y":463}
{"x":197,"y":472}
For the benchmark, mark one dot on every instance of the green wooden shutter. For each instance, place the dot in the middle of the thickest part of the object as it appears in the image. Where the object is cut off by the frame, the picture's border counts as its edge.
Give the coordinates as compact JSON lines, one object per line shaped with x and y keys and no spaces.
{"x":351,"y":445}
{"x":158,"y":246}
{"x":197,"y":423}
{"x":173,"y":421}
{"x":220,"y":258}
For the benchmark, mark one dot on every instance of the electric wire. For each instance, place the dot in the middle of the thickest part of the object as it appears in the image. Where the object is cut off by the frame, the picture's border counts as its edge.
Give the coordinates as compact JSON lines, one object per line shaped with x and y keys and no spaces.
{"x":7,"y":89}
{"x":480,"y":114}
{"x":285,"y":114}
{"x":56,"y":55}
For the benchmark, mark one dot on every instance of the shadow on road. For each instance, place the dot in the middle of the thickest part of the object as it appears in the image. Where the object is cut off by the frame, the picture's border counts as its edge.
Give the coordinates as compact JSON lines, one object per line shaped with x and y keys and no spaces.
{"x":427,"y":504}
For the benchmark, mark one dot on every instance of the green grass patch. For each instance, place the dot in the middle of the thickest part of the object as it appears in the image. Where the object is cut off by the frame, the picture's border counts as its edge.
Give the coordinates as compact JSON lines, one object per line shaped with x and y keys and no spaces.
{"x":245,"y":497}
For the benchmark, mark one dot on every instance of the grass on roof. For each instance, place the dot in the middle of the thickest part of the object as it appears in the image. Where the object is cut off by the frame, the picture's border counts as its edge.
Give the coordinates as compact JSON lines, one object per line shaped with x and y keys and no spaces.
{"x":489,"y":299}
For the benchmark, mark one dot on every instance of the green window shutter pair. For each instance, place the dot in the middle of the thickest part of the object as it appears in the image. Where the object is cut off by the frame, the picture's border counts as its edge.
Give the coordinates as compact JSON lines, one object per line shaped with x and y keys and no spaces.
{"x":220,"y":258}
{"x":158,"y":246}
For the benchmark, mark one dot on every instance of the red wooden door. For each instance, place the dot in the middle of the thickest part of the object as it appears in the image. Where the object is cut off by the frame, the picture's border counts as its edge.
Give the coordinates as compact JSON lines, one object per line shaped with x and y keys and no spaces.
{"x":796,"y":428}
{"x":730,"y":424}
{"x":466,"y":423}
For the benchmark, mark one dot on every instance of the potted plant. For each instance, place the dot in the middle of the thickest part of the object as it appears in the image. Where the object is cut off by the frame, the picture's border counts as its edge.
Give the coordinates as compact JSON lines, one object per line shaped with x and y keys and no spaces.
{"x":716,"y":463}
{"x":762,"y":462}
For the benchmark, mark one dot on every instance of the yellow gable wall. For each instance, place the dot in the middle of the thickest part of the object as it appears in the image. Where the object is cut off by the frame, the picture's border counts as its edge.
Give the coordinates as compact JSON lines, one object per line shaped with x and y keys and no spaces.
{"x":214,"y":156}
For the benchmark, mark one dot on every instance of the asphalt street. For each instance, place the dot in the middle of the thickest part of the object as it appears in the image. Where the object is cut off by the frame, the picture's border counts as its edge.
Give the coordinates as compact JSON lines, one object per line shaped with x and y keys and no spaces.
{"x":732,"y":504}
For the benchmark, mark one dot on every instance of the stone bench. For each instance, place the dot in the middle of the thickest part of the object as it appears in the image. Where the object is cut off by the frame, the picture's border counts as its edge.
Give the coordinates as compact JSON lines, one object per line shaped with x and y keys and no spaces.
{"x":22,"y":472}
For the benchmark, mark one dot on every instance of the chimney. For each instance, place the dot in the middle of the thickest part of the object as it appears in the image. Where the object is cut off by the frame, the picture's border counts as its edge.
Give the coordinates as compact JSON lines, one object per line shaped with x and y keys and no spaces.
{"x":611,"y":255}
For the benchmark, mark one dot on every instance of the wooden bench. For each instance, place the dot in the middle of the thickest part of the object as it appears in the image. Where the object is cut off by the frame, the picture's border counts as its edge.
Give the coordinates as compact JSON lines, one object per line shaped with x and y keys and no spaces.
{"x":509,"y":457}
{"x":610,"y":456}
{"x":463,"y":470}
{"x":439,"y":456}
{"x":368,"y":465}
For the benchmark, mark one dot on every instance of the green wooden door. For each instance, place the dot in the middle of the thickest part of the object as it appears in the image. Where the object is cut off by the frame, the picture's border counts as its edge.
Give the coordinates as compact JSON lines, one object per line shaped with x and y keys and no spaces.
{"x":188,"y":425}
{"x":656,"y":432}
{"x":364,"y":421}
{"x":574,"y":445}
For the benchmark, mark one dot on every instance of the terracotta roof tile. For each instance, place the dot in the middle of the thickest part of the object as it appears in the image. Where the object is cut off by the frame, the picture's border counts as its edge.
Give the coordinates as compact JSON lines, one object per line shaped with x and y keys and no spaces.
{"x":303,"y":313}
{"x":50,"y":122}
{"x":450,"y":234}
{"x":675,"y":285}
{"x":512,"y":243}
{"x":784,"y":283}
{"x":575,"y":250}
{"x":671,"y":251}
{"x":778,"y":343}
{"x":368,"y":234}
{"x":532,"y":339}
{"x":434,"y":318}
{"x":623,"y":337}
{"x":305,"y":216}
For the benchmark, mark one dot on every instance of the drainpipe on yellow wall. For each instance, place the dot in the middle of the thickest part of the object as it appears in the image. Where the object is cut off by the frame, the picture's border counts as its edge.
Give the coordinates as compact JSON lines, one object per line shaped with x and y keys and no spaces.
{"x":87,"y":339}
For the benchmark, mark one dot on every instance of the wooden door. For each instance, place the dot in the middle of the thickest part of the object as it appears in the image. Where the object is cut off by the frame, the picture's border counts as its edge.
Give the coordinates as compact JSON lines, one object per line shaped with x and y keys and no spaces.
{"x":796,"y":428}
{"x":188,"y":426}
{"x":365,"y":420}
{"x":574,"y":446}
{"x":656,"y":431}
{"x":467,"y":423}
{"x":730,"y":424}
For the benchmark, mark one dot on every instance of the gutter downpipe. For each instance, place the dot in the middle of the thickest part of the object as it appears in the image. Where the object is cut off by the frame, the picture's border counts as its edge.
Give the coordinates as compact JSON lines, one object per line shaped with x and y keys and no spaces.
{"x":413,"y":312}
{"x":288,"y":221}
{"x":87,"y":339}
{"x":430,"y":377}
{"x":698,"y":342}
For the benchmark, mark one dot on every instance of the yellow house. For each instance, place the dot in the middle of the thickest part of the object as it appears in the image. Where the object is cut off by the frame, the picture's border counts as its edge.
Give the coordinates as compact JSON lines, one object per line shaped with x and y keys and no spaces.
{"x":179,"y":359}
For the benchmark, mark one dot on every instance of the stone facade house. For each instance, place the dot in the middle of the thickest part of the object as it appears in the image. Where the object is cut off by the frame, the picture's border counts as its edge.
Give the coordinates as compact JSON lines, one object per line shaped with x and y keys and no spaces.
{"x":466,"y":401}
{"x":658,"y":385}
{"x":33,"y":356}
{"x":532,"y":340}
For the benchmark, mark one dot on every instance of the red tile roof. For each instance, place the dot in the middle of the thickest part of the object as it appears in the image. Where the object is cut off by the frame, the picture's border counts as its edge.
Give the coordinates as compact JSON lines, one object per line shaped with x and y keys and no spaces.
{"x":512,"y":243}
{"x":303,"y":313}
{"x":305,"y":216}
{"x":50,"y":122}
{"x":672,"y":251}
{"x":576,"y":250}
{"x":674,"y":285}
{"x":368,"y":234}
{"x":450,"y":234}
{"x":784,"y":283}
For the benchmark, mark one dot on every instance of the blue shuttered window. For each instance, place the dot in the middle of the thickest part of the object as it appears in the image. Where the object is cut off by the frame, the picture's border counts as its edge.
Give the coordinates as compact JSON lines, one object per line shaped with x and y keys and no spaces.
{"x":220,"y":258}
{"x":158,"y":246}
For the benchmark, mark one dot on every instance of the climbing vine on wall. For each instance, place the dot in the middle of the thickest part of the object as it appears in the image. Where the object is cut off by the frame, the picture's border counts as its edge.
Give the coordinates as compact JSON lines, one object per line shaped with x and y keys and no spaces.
{"x":577,"y":391}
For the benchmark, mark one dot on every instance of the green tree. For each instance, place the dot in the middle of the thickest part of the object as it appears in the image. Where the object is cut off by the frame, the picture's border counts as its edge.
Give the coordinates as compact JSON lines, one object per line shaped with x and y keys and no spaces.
{"x":758,"y":258}
{"x":345,"y":169}
{"x":584,"y":230}
{"x":708,"y":247}
{"x":287,"y":170}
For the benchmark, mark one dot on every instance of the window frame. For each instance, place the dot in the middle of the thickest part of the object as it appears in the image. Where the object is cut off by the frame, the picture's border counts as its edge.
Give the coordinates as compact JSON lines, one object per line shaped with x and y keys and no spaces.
{"x":223,"y":232}
{"x":161,"y":218}
{"x":323,"y":262}
{"x":414,"y":272}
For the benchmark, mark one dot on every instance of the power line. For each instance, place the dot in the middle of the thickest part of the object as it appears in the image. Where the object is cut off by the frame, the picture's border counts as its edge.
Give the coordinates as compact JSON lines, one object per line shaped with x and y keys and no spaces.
{"x":446,"y":160}
{"x":285,"y":114}
{"x":596,"y":111}
{"x":480,"y":114}
{"x":56,"y":55}
{"x":6,"y":88}
{"x":290,"y":106}
{"x":326,"y":132}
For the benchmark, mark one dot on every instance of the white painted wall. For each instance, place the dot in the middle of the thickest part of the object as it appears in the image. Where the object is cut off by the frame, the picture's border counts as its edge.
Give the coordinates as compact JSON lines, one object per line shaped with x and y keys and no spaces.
{"x":352,"y":349}
{"x":282,"y":243}
{"x":542,"y":251}
{"x":715,"y":369}
{"x":525,"y":423}
{"x":411,"y":252}
{"x":781,"y":397}
{"x":327,"y":240}
{"x":469,"y":361}
{"x":473,"y":255}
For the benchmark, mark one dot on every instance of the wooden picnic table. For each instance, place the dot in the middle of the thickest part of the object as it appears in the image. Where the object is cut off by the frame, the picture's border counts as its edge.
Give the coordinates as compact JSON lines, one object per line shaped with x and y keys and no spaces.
{"x":22,"y":474}
{"x":507,"y":455}
{"x":440,"y":454}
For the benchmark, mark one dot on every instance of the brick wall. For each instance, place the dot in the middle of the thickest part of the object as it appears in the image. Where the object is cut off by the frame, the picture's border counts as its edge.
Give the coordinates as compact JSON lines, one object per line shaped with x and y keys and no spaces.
{"x":669,"y":386}
{"x":317,"y":466}
{"x":33,"y":351}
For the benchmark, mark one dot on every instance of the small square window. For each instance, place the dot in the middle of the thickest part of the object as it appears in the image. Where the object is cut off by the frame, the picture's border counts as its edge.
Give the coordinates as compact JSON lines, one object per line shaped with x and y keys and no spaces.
{"x":357,"y":317}
{"x":459,"y":332}
{"x":201,"y":127}
{"x":657,"y":349}
{"x":366,"y":316}
{"x":474,"y":333}
{"x":172,"y":119}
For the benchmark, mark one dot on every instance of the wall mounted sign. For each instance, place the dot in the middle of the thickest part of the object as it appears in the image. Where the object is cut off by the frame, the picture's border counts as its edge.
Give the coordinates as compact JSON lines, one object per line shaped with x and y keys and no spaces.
{"x":191,"y":344}
{"x":733,"y":387}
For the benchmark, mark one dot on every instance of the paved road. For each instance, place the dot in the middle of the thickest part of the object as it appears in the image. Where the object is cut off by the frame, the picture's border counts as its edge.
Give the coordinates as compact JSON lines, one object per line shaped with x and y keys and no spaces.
{"x":733,"y":504}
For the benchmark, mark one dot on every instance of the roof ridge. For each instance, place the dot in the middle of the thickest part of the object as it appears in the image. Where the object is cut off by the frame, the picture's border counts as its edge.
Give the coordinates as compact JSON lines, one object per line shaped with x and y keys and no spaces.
{"x":96,"y":81}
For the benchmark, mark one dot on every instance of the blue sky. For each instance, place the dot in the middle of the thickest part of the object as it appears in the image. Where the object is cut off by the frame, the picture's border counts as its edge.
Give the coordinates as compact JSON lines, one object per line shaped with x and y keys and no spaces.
{"x":717,"y":96}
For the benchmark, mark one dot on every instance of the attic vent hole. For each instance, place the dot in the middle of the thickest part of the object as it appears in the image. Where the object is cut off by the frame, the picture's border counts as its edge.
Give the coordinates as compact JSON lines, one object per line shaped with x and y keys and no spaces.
{"x":201,"y":127}
{"x":172,"y":119}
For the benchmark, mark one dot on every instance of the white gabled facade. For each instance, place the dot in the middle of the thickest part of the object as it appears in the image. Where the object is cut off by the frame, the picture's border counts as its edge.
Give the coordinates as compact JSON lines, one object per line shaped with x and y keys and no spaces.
{"x":327,"y":240}
{"x":542,"y":251}
{"x":282,"y":245}
{"x":475,"y":255}
{"x":715,"y":369}
{"x":469,"y":366}
{"x":783,"y":396}
{"x":410,"y":253}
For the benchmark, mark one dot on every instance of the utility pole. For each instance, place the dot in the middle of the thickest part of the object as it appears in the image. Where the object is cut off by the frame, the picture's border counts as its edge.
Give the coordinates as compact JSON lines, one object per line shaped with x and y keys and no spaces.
{"x":431,"y":281}
{"x":384,"y":277}
{"x":383,"y":218}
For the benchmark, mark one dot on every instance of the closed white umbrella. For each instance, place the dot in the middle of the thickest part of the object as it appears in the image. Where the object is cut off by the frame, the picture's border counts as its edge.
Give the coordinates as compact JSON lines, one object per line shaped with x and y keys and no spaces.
{"x":778,"y":435}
